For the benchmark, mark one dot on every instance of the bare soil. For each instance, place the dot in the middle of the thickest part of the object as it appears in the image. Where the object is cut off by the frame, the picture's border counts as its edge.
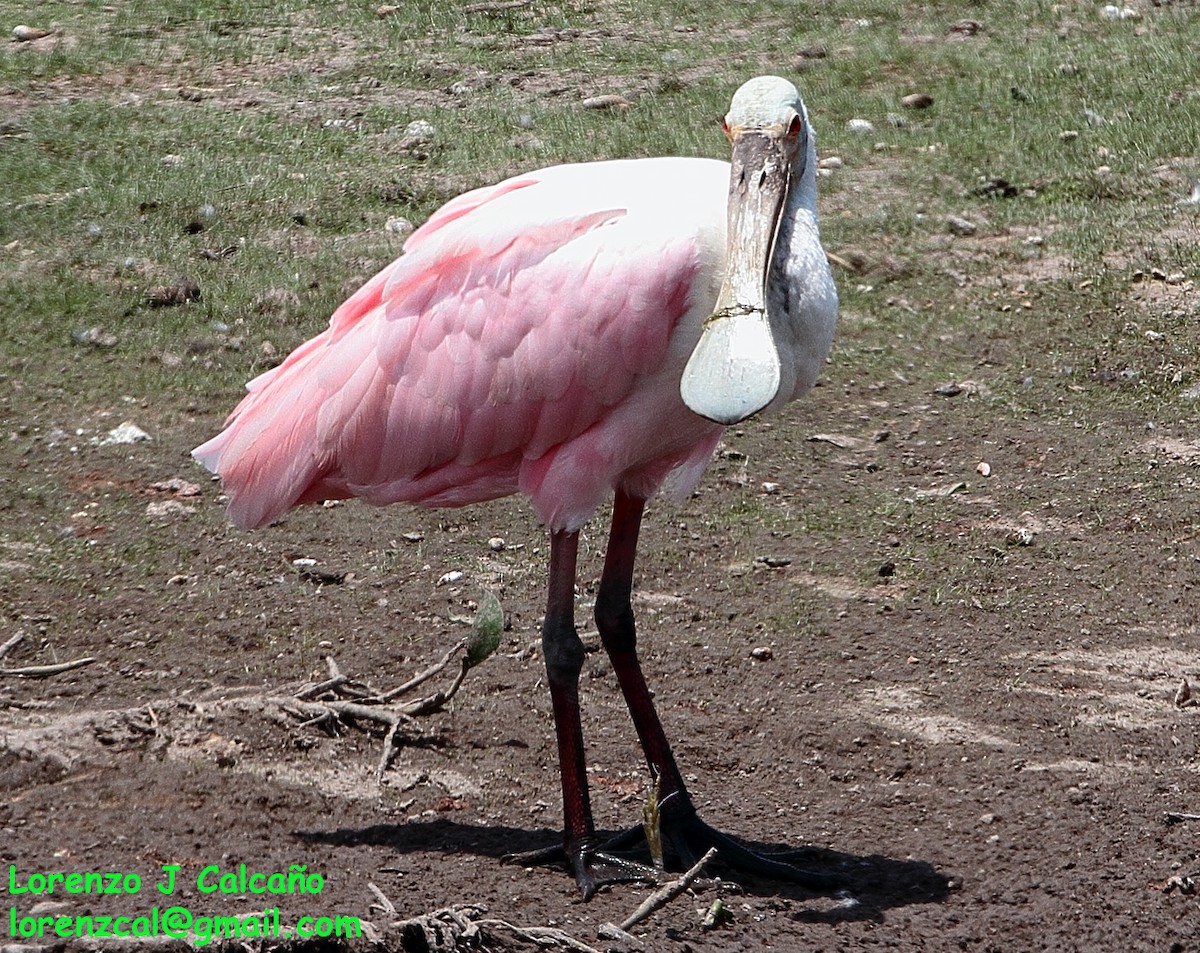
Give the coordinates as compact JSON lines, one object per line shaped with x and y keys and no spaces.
{"x":968,"y":705}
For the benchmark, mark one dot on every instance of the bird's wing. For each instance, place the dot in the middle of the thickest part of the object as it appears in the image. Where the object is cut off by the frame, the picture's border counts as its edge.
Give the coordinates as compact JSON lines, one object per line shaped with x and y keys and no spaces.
{"x":517,"y":316}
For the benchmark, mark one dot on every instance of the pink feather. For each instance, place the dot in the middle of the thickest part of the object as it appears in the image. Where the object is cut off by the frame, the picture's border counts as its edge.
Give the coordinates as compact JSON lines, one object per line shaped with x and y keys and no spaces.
{"x":530,"y":338}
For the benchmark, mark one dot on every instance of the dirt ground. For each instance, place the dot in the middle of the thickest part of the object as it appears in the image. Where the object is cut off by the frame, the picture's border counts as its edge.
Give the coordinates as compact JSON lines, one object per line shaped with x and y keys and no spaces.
{"x":940,"y":634}
{"x":968,"y":704}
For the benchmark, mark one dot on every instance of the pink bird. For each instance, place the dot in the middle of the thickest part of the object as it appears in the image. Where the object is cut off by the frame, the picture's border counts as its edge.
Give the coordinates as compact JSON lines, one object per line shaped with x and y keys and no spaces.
{"x":567,"y":334}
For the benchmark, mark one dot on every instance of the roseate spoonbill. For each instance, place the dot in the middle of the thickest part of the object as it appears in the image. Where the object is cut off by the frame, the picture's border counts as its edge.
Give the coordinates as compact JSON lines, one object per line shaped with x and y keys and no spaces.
{"x":569,"y":333}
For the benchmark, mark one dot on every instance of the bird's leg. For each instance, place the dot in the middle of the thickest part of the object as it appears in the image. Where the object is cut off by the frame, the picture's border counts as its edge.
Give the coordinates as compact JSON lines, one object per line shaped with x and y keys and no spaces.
{"x":564,"y":652}
{"x":680,"y":826}
{"x":614,"y":619}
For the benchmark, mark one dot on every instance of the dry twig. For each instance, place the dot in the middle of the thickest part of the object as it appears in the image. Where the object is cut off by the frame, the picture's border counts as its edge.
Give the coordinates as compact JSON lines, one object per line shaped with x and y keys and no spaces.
{"x":384,"y":903}
{"x":339,"y":699}
{"x":423,"y":676}
{"x":500,"y":6}
{"x":546,"y":938}
{"x":11,"y":644}
{"x":665,"y":894}
{"x":46,"y":671}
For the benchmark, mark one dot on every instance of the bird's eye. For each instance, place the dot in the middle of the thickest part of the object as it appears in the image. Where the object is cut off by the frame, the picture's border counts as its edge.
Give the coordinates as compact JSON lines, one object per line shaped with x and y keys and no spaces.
{"x":796,"y":126}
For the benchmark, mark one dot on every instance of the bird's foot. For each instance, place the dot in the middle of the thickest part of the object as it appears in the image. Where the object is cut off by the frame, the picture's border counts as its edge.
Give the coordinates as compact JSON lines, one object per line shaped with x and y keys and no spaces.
{"x":592,"y":866}
{"x":683,"y":833}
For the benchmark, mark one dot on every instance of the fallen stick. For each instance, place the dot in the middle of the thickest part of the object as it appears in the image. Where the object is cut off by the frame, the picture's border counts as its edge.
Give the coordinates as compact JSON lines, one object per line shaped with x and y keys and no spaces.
{"x":1175,"y":817}
{"x":10,"y":644}
{"x":384,"y":903}
{"x":45,"y":671}
{"x":422,"y":676}
{"x":664,"y":895}
{"x":543,"y":937}
{"x":498,"y":7}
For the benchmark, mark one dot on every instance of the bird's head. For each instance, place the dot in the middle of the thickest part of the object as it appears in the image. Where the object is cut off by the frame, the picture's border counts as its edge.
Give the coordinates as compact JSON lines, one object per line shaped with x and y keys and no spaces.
{"x":735,"y":370}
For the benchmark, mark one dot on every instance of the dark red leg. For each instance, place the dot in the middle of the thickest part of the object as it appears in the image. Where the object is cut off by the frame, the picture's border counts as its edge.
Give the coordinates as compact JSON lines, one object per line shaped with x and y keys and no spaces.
{"x":680,"y":826}
{"x":564,"y":652}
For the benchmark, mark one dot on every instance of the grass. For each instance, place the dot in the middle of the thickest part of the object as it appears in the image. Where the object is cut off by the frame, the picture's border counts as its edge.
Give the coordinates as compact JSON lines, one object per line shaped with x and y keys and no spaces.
{"x":271,"y":177}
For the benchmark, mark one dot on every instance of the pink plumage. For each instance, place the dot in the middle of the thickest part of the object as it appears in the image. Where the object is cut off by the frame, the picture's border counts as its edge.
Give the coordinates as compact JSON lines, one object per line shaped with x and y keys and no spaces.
{"x":530,"y":338}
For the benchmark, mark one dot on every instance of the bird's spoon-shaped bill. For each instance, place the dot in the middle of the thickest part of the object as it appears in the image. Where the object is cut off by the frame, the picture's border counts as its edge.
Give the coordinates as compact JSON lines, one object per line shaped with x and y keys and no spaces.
{"x":735,"y":369}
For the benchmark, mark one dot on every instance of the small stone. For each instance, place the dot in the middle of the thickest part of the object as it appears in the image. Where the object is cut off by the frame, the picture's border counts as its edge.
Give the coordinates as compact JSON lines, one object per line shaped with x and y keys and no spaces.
{"x":386,"y":10}
{"x":606,"y":101}
{"x":961,"y":226}
{"x":1069,"y":135}
{"x":177,"y":486}
{"x":94,"y":337}
{"x":420,"y":131}
{"x":983,"y":468}
{"x":413,"y":537}
{"x":963,"y":28}
{"x":497,"y":544}
{"x":860,"y":126}
{"x":1110,"y":11}
{"x":917,"y":101}
{"x":23,"y":33}
{"x":771,"y":489}
{"x":166,"y":296}
{"x":775,"y":562}
{"x":887,"y":570}
{"x":1021,"y":536}
{"x":126,"y":433}
{"x":951,"y":389}
{"x":451,"y":577}
{"x":1094,"y":118}
{"x":831,"y":162}
{"x":398,"y":226}
{"x":169,"y":508}
{"x":763,"y":653}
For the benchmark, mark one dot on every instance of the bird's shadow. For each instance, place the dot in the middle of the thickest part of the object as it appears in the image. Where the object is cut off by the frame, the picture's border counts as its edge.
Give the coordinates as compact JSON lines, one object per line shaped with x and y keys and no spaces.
{"x":867,"y":885}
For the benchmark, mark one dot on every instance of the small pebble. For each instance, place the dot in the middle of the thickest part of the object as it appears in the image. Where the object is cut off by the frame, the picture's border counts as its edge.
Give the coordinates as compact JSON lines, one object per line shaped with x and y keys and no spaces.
{"x":451,"y":577}
{"x":763,"y":653}
{"x":961,"y":226}
{"x":607,"y":101}
{"x":398,"y":226}
{"x":420,"y":130}
{"x":861,"y":126}
{"x":23,"y":33}
{"x":497,"y":544}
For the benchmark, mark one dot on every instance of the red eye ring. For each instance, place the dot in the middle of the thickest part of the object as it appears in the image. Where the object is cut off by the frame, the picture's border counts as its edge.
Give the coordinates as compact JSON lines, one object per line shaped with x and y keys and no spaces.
{"x":796,"y":126}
